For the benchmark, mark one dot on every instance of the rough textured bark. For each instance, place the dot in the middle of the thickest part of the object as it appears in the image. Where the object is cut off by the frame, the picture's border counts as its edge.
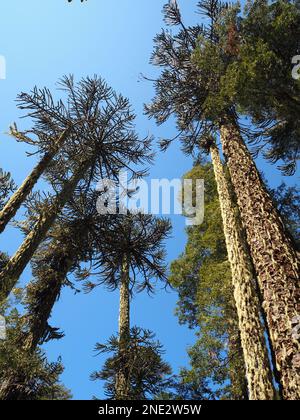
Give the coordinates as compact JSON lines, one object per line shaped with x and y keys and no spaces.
{"x":122,"y":379}
{"x":12,"y":271}
{"x":274,"y":257}
{"x":15,"y":202}
{"x":257,"y":363}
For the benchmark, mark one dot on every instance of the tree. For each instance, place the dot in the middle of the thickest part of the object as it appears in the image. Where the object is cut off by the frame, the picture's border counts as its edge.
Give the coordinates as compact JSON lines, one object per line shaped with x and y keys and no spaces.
{"x":202,"y":277}
{"x":133,"y":246}
{"x":17,"y":363}
{"x":195,"y":61}
{"x":107,"y":143}
{"x":149,"y":374}
{"x":260,"y":79}
{"x":188,"y":91}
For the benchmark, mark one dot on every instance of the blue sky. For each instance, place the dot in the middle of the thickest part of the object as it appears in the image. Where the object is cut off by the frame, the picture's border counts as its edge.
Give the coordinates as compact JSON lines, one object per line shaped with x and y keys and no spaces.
{"x":42,"y":41}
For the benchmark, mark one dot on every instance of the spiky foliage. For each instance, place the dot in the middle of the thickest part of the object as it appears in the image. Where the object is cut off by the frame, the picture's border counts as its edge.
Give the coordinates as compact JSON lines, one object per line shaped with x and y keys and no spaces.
{"x":102,"y":125}
{"x":138,"y":236}
{"x":149,"y":374}
{"x":184,"y":89}
{"x":7,"y":186}
{"x":102,"y":143}
{"x":17,"y":363}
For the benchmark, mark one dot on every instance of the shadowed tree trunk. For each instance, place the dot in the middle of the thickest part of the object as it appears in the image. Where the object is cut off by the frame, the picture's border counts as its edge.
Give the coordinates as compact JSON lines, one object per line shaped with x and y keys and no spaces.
{"x":253,"y":342}
{"x":122,"y":379}
{"x":274,"y":257}
{"x":15,"y":202}
{"x":11,"y":273}
{"x":238,"y":379}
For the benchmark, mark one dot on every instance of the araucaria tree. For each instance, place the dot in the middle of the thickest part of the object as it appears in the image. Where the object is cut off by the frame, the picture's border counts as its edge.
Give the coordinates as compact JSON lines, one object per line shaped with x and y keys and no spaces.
{"x":99,"y":147}
{"x":188,"y":89}
{"x":132,"y":257}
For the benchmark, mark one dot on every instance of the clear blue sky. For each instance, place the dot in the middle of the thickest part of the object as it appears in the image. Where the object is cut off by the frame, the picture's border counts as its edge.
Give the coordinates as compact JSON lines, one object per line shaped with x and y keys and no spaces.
{"x":43,"y":40}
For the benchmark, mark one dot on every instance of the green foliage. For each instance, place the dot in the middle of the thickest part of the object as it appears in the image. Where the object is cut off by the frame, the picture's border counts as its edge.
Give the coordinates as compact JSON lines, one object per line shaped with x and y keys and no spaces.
{"x":260,"y":79}
{"x":149,"y":374}
{"x":7,"y":186}
{"x":29,"y":374}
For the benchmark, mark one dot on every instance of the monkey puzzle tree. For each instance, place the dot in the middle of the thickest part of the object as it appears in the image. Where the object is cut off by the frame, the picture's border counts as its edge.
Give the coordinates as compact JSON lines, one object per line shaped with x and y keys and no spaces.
{"x":100,"y":147}
{"x":132,"y":256}
{"x":189,"y":91}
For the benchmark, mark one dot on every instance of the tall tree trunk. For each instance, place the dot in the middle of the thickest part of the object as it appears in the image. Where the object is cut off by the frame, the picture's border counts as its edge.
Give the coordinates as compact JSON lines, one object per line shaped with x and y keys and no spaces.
{"x":274,"y":257}
{"x":18,"y":198}
{"x":122,"y":378}
{"x":253,"y":342}
{"x":12,"y":271}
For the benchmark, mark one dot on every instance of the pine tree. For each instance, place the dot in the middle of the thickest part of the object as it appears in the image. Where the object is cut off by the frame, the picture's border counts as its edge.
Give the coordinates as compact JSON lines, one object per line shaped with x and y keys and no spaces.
{"x":187,"y":90}
{"x":17,"y":363}
{"x":133,"y":247}
{"x":107,"y":143}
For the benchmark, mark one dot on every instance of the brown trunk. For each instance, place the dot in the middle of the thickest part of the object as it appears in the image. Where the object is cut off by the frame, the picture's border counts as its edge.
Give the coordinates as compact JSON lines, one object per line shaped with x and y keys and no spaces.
{"x":12,"y":271}
{"x":274,"y":257}
{"x":122,"y":379}
{"x":253,"y":342}
{"x":18,"y":198}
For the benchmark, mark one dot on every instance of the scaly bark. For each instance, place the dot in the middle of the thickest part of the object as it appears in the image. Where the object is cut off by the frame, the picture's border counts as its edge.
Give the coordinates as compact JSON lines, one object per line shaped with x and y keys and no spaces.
{"x":12,"y":271}
{"x":18,"y":198}
{"x":253,"y":342}
{"x":122,"y":378}
{"x":274,"y":257}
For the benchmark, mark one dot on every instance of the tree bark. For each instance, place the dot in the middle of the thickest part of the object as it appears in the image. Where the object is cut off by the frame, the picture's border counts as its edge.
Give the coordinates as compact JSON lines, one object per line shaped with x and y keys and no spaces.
{"x":12,"y":271}
{"x":18,"y":198}
{"x":253,"y":342}
{"x":122,"y":378}
{"x":274,"y":257}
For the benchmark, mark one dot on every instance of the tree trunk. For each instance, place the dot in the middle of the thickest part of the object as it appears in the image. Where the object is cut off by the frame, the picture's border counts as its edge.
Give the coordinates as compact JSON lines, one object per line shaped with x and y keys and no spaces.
{"x":122,"y":378}
{"x":43,"y":295}
{"x":237,"y":369}
{"x":18,"y":198}
{"x":12,"y":271}
{"x":253,"y":342}
{"x":274,"y":257}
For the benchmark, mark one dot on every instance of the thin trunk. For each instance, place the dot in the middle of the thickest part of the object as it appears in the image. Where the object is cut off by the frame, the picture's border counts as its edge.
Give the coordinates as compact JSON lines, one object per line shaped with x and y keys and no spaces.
{"x":274,"y":257}
{"x":253,"y":342}
{"x":122,"y":379}
{"x":15,"y":267}
{"x":18,"y":198}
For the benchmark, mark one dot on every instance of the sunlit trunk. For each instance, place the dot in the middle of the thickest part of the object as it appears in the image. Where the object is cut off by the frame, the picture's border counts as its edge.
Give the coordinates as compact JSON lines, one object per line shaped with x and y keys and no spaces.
{"x":274,"y":257}
{"x":15,"y":267}
{"x":18,"y":198}
{"x":122,"y":379}
{"x":258,"y":371}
